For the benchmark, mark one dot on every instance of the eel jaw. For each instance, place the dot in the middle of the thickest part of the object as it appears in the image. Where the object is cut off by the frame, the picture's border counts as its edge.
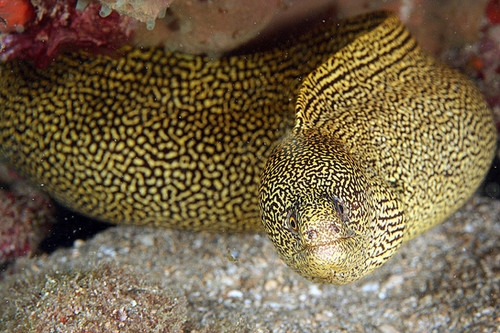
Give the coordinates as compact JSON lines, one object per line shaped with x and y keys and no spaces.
{"x":339,"y":261}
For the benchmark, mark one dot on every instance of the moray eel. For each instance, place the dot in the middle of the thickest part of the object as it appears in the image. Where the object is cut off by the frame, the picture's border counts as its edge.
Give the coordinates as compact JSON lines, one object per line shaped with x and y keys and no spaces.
{"x":350,"y":138}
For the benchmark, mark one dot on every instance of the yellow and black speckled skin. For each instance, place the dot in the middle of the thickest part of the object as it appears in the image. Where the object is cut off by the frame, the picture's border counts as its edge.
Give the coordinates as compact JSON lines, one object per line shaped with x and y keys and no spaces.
{"x":154,"y":137}
{"x":386,"y":142}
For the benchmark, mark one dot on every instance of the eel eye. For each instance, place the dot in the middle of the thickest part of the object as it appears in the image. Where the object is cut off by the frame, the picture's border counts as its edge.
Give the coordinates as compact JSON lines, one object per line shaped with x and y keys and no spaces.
{"x":340,"y":209}
{"x":292,"y":221}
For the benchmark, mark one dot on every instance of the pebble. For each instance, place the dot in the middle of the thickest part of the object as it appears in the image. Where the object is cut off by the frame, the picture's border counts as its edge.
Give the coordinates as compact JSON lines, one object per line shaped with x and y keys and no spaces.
{"x":387,"y":329}
{"x":235,"y":294}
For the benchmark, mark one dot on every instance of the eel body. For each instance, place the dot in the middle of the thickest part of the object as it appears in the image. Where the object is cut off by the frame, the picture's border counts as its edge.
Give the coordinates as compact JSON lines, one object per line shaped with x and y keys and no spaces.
{"x":358,"y":139}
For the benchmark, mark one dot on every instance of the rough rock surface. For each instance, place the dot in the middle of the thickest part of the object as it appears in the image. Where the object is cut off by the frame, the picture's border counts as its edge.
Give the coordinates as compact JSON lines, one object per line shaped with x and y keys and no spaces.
{"x":448,"y":279}
{"x":26,"y":216}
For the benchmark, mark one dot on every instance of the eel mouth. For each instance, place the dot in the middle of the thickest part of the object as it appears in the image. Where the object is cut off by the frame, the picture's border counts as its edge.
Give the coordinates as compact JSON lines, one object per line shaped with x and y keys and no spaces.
{"x":333,"y":261}
{"x":312,"y":247}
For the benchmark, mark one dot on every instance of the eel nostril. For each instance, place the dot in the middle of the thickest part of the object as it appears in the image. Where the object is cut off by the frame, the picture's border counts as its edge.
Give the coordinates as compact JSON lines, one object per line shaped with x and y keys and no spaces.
{"x":334,"y":228}
{"x":311,"y":235}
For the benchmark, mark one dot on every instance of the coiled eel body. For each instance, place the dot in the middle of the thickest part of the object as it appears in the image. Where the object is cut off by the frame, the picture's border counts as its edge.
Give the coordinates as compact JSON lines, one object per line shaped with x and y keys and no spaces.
{"x":359,"y":140}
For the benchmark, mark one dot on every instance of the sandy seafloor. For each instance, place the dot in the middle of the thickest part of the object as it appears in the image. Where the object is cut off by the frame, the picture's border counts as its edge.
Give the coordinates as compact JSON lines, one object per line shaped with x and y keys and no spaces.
{"x":447,"y":279}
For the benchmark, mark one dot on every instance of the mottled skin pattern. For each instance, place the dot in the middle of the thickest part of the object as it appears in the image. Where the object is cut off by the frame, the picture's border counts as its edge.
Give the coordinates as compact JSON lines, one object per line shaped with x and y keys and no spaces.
{"x":386,"y":142}
{"x":158,"y":138}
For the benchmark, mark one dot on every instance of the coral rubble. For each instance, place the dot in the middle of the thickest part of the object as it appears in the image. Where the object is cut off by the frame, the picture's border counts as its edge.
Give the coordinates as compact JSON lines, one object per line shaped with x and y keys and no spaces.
{"x":25,"y":218}
{"x":106,"y":299}
{"x":59,"y":26}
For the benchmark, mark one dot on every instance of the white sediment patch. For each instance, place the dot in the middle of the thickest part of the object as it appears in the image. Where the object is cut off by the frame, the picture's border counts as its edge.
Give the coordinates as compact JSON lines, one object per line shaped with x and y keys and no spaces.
{"x":162,"y":13}
{"x":105,"y":11}
{"x":120,"y":3}
{"x":150,"y":25}
{"x":81,"y":4}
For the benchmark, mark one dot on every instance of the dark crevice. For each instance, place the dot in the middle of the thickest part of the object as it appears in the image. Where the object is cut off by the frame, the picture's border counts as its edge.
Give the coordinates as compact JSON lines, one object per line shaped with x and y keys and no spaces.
{"x":69,"y":227}
{"x":491,"y":184}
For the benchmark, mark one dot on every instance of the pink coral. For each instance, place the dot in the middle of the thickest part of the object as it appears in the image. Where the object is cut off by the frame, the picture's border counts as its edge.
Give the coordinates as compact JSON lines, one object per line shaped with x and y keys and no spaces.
{"x":493,"y":11}
{"x":484,"y":64}
{"x":59,"y":26}
{"x":14,"y":14}
{"x":25,"y":218}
